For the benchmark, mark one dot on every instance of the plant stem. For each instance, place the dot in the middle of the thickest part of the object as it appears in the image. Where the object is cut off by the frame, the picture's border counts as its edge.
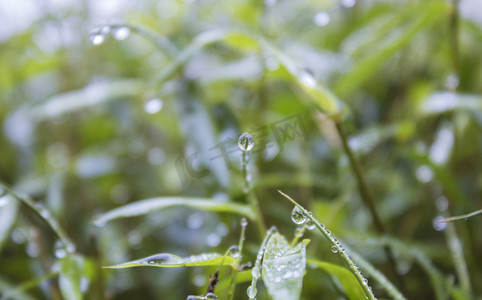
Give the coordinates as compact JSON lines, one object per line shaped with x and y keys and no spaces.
{"x":298,"y":235}
{"x":338,"y":247}
{"x":460,"y":217}
{"x":368,"y":200}
{"x":232,"y":285}
{"x":11,"y":294}
{"x":253,"y":201}
{"x":454,"y":37}
{"x":42,"y":212}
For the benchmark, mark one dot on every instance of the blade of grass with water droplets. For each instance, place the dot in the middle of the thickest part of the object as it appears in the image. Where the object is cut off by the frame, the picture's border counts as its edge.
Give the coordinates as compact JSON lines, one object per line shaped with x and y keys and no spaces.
{"x":167,"y":260}
{"x":337,"y":248}
{"x":143,"y":207}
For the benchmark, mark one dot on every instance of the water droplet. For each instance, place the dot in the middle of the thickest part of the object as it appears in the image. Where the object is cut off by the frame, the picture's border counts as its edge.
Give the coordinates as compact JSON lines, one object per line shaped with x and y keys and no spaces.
{"x":155,"y":156}
{"x":211,"y":296}
{"x":310,"y":225}
{"x":153,"y":106}
{"x":97,"y":37}
{"x":297,"y":216}
{"x":60,"y":253}
{"x":348,"y":3}
{"x":244,"y":222}
{"x":158,"y":259}
{"x":365,"y":281}
{"x":256,"y":272}
{"x":194,"y":221}
{"x":334,"y":249}
{"x":308,"y":79}
{"x":442,"y":203}
{"x":251,"y":291}
{"x":424,"y":174}
{"x":4,"y":200}
{"x":18,"y":236}
{"x":105,"y":30}
{"x":191,"y":298}
{"x":322,"y":18}
{"x":439,"y":224}
{"x":213,"y":239}
{"x":452,"y":82}
{"x":246,"y":142}
{"x":271,"y":64}
{"x":121,"y":33}
{"x":33,"y":250}
{"x":234,"y":251}
{"x":70,"y":248}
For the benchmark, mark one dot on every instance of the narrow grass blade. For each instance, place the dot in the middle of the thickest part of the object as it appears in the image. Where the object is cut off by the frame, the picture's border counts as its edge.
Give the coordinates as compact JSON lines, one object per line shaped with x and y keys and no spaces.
{"x":143,"y":207}
{"x":461,"y":217}
{"x":167,"y":260}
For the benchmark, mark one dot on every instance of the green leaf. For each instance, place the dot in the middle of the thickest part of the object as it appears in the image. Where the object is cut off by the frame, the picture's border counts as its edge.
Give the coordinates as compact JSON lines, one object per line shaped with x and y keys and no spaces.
{"x":427,"y":14}
{"x":321,"y":96}
{"x":8,"y":214}
{"x":441,"y":102}
{"x":343,"y":276}
{"x":92,"y":94}
{"x":167,"y":260}
{"x":75,"y":275}
{"x":143,"y":207}
{"x":241,"y":277}
{"x":284,"y":268}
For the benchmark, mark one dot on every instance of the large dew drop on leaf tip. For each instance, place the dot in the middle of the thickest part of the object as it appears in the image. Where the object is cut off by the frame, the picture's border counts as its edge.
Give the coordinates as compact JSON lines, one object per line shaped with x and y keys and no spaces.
{"x":246,"y":142}
{"x":297,"y":216}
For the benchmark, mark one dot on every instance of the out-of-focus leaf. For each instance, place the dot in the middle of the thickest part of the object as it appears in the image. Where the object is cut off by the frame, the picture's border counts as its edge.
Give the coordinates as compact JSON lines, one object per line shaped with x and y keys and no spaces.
{"x":10,"y":291}
{"x":75,"y":275}
{"x":8,"y":215}
{"x":321,"y":96}
{"x":93,"y":94}
{"x":441,"y":102}
{"x":428,"y":14}
{"x":241,"y":41}
{"x":342,"y":276}
{"x":167,"y":260}
{"x":241,"y":277}
{"x":284,"y":268}
{"x":149,"y":205}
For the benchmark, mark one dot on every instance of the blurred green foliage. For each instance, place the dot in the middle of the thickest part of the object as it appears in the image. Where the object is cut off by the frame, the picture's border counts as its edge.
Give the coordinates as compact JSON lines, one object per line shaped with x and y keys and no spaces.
{"x":148,"y":111}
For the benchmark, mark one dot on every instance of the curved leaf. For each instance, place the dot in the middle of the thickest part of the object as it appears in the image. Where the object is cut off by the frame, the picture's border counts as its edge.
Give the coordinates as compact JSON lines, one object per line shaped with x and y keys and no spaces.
{"x":167,"y":260}
{"x":143,"y":207}
{"x":343,"y":276}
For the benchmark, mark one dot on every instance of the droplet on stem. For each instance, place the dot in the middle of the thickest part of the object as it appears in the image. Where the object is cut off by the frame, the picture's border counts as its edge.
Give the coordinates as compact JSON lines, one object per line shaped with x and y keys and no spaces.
{"x":234,"y":251}
{"x":297,"y":216}
{"x":310,"y":225}
{"x":246,"y":142}
{"x":251,"y":291}
{"x":121,"y":33}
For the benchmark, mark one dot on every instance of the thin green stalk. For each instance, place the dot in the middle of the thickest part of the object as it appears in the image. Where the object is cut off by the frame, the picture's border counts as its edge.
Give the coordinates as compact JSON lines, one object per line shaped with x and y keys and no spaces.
{"x":460,"y":217}
{"x":11,"y":294}
{"x":253,"y":201}
{"x":232,"y":285}
{"x":368,"y":200}
{"x":298,"y":235}
{"x":376,"y":275}
{"x":42,"y":212}
{"x":457,"y":252}
{"x":454,"y":37}
{"x":337,"y":247}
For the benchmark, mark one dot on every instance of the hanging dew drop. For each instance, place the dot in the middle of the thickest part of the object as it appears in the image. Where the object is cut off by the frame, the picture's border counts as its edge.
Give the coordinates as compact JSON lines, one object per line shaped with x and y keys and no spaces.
{"x":234,"y":251}
{"x":244,"y":222}
{"x":246,"y":142}
{"x":251,"y":291}
{"x":334,"y":249}
{"x":121,"y":33}
{"x":297,"y":216}
{"x":365,"y":281}
{"x":310,"y":225}
{"x":97,"y":38}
